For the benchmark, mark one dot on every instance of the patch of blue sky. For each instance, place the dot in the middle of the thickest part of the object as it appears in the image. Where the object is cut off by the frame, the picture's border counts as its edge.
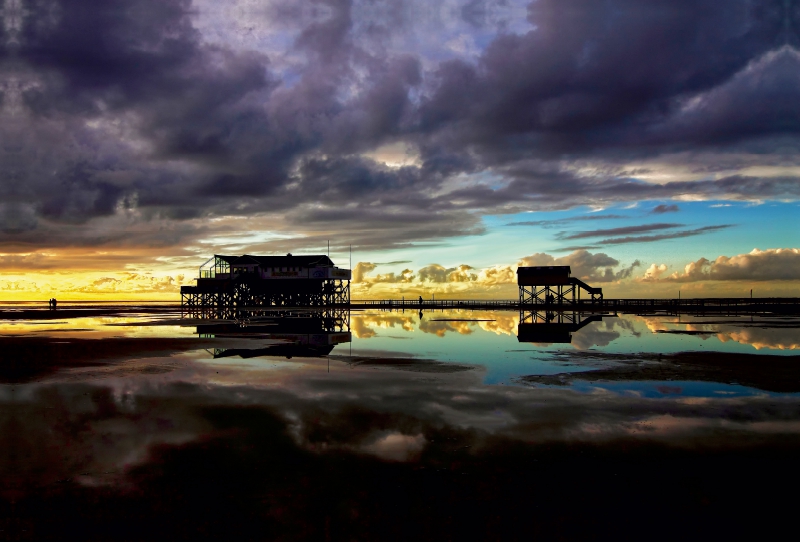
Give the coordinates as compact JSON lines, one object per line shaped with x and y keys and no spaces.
{"x":762,"y":226}
{"x":768,"y":225}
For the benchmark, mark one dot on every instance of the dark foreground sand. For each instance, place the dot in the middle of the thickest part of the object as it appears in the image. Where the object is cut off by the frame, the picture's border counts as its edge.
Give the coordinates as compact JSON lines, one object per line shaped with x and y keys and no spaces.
{"x":247,"y":478}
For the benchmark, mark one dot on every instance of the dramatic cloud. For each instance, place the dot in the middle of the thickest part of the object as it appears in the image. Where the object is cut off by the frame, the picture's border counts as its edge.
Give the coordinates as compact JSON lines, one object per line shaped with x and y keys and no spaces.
{"x":654,"y":272}
{"x":361,"y":275}
{"x":598,"y":267}
{"x":437,"y":273}
{"x":361,"y":270}
{"x":758,"y":265}
{"x":498,"y":275}
{"x":584,"y":265}
{"x":156,"y":124}
{"x":121,"y":286}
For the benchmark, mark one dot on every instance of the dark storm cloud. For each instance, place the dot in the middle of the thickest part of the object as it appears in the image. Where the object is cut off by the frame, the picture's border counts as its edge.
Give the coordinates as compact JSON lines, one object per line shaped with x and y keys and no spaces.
{"x":547,"y":189}
{"x":344,"y":180}
{"x":214,"y":130}
{"x":577,"y":83}
{"x":119,"y":116}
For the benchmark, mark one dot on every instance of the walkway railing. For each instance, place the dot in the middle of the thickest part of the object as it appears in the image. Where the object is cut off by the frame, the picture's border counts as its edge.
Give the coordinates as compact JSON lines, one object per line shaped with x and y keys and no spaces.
{"x":788,"y":305}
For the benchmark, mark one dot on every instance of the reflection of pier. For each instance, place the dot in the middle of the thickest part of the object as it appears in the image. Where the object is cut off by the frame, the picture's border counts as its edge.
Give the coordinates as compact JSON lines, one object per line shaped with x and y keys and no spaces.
{"x":552,"y":327}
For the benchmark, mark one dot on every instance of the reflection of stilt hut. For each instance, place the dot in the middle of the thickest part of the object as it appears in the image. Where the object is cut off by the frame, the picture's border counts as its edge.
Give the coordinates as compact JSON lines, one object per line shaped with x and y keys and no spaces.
{"x":553,"y":285}
{"x":552,"y":326}
{"x":228,"y":285}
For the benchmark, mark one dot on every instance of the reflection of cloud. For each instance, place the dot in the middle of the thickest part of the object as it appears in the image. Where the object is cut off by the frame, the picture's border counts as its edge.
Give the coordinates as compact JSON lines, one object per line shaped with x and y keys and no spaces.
{"x":591,"y":336}
{"x":360,"y":329}
{"x":396,"y":446}
{"x":462,"y":322}
{"x":760,"y":334}
{"x":440,"y":328}
{"x":502,"y":324}
{"x":667,"y":425}
{"x":88,"y":428}
{"x":362,"y":325}
{"x":759,"y":338}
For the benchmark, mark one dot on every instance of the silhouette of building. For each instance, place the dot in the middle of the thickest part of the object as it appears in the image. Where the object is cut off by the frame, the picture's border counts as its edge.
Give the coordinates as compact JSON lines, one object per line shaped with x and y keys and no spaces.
{"x":228,"y":285}
{"x":553,"y":285}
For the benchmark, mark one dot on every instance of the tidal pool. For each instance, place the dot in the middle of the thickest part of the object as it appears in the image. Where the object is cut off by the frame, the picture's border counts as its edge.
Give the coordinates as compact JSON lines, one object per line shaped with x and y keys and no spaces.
{"x":131,"y":422}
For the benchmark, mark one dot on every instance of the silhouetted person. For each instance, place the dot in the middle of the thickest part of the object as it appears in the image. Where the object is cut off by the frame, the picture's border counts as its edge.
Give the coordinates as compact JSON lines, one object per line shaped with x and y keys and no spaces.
{"x":420,"y":301}
{"x":50,"y":303}
{"x":55,"y":303}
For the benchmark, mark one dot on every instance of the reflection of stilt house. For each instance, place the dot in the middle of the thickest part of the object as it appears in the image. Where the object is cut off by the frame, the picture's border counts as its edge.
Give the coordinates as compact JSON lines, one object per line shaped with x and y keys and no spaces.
{"x":228,"y":285}
{"x":298,"y":336}
{"x":553,"y":285}
{"x":552,"y":326}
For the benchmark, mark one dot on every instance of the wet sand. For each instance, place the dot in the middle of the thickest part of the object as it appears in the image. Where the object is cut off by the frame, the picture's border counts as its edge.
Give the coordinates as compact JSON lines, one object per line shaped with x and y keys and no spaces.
{"x":26,"y":312}
{"x":763,"y":372}
{"x":26,"y":359}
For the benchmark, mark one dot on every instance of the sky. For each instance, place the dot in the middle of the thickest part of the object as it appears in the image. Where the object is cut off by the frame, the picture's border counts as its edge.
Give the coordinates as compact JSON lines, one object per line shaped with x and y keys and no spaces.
{"x":649,"y":144}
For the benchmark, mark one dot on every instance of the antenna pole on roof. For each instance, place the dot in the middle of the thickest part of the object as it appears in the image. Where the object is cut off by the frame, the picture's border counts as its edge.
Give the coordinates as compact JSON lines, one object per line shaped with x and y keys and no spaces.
{"x":329,"y":248}
{"x":351,"y":257}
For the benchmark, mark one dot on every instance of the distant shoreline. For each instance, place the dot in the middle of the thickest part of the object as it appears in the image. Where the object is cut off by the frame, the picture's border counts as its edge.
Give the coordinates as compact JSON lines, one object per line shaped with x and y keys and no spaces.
{"x":776,"y":307}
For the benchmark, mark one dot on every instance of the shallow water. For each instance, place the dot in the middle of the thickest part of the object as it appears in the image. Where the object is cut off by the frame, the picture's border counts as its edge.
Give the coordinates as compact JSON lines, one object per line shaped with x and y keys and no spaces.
{"x":446,"y":424}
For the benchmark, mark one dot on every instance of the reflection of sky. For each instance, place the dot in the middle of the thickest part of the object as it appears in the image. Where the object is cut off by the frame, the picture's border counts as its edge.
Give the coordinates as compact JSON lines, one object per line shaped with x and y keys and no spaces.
{"x":393,"y":415}
{"x":94,"y":424}
{"x":440,"y":336}
{"x":673,"y":388}
{"x":130,"y":325}
{"x":484,"y":339}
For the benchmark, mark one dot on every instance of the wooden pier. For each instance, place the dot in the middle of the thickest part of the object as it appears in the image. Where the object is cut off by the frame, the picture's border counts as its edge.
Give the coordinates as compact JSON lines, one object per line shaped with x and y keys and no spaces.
{"x":766,"y":305}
